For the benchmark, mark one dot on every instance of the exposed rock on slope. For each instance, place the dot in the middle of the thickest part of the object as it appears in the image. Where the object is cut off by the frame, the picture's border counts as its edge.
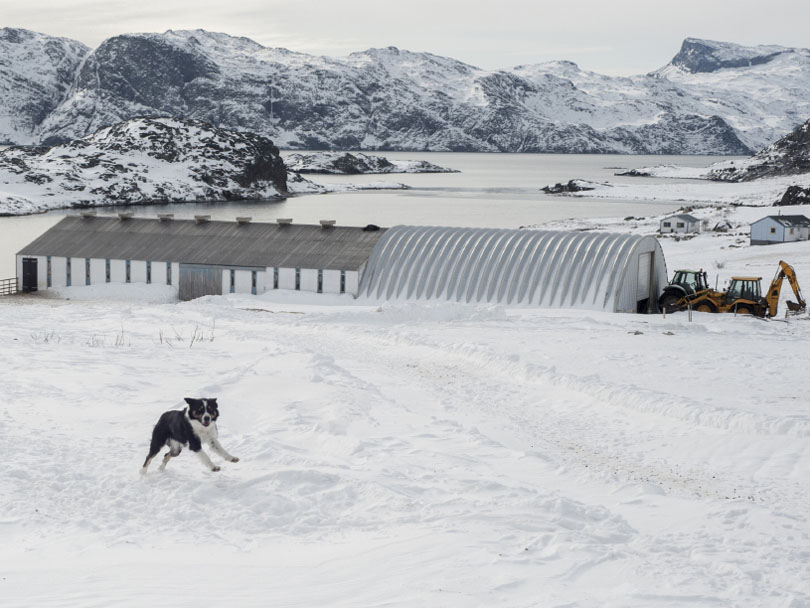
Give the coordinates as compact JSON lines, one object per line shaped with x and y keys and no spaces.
{"x":714,"y":98}
{"x":788,"y":156}
{"x":143,"y":160}
{"x":36,"y":72}
{"x":352,"y":164}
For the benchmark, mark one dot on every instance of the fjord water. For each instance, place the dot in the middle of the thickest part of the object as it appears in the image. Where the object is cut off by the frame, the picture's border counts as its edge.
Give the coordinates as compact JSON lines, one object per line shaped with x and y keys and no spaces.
{"x":490,"y":190}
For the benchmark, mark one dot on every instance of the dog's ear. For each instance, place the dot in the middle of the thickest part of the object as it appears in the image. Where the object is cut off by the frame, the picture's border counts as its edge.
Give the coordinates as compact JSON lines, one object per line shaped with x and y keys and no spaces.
{"x":193,"y":402}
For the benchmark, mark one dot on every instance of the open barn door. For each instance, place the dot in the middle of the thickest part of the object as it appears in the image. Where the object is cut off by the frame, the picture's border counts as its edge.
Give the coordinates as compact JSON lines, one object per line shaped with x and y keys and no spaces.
{"x":644,"y":281}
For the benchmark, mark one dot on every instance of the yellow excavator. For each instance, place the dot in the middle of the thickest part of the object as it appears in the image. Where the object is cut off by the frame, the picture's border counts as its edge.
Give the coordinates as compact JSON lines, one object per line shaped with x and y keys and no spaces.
{"x":744,"y":296}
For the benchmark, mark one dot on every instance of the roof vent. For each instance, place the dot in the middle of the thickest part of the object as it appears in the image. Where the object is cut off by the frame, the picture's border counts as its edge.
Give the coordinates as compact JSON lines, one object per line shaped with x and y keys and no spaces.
{"x":371,"y":228}
{"x":327,"y":223}
{"x":126,"y":215}
{"x":87,"y":213}
{"x":243,"y":220}
{"x":202,"y":219}
{"x":165,"y":217}
{"x":284,"y":221}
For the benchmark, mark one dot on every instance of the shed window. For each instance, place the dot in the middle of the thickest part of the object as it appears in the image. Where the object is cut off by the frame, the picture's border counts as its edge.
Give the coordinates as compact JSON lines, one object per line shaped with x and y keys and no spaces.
{"x":107,"y":270}
{"x":275,"y":277}
{"x":320,"y":281}
{"x":342,"y":281}
{"x":667,"y":224}
{"x":86,"y":271}
{"x":148,"y":271}
{"x":253,"y":276}
{"x":48,"y":279}
{"x":233,"y":280}
{"x":773,"y":230}
{"x":129,"y":271}
{"x":680,"y":225}
{"x":168,"y":273}
{"x":298,"y":279}
{"x":67,"y":272}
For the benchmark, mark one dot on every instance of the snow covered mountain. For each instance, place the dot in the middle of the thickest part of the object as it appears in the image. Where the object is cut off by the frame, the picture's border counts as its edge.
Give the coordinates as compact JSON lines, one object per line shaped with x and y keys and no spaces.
{"x":36,"y":73}
{"x":713,"y":98}
{"x":142,"y":160}
{"x":346,"y":163}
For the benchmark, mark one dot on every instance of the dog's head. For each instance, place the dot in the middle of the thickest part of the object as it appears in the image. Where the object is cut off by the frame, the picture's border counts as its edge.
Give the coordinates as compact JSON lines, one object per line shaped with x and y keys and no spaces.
{"x":202,"y":410}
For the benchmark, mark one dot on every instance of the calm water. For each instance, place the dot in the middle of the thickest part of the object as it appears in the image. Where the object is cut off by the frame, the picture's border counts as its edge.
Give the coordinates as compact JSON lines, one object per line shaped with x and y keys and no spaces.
{"x":496,"y":190}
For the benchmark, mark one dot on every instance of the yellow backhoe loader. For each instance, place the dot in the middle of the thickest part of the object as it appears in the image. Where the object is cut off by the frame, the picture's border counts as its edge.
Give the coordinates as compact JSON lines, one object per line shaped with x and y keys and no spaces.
{"x":744,"y":296}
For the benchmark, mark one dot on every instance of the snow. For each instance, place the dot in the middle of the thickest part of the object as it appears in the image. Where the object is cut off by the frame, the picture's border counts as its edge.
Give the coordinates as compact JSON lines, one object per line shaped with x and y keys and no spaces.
{"x":408,"y":455}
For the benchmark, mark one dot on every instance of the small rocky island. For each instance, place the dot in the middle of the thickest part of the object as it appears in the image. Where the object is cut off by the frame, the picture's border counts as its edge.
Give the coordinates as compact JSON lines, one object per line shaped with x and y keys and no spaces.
{"x":142,"y":161}
{"x":346,"y":163}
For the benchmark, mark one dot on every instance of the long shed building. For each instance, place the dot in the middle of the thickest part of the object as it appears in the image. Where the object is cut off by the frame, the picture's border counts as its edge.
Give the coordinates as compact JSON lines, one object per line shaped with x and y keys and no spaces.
{"x":592,"y":270}
{"x":600,"y":271}
{"x":199,"y":257}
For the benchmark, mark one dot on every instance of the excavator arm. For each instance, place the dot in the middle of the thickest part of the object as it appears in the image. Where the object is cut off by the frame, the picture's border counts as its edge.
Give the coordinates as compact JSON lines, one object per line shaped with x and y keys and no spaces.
{"x":785,"y":271}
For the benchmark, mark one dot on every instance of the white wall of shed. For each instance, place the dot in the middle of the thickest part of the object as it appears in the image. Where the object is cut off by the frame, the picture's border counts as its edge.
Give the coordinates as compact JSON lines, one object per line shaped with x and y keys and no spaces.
{"x":137,"y":271}
{"x":761,"y":230}
{"x":243,"y":281}
{"x":286,"y":278}
{"x":309,"y":280}
{"x":352,"y":282}
{"x":58,"y":275}
{"x":98,"y":271}
{"x":159,"y":273}
{"x":118,"y":271}
{"x":331,"y":281}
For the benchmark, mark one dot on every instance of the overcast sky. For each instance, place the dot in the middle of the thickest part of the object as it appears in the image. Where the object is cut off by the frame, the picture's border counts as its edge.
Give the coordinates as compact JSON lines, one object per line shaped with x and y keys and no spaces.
{"x":619,"y":37}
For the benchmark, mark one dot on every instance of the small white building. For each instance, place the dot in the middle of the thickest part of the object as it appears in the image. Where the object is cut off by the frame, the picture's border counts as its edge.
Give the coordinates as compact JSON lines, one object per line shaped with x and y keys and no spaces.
{"x":682,"y":223}
{"x":780,"y":229}
{"x":198,"y":257}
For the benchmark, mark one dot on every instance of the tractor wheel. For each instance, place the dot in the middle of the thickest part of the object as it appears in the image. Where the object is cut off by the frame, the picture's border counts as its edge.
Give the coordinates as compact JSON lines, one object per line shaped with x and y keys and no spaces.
{"x":668,"y":303}
{"x":744,"y":309}
{"x":705,"y":306}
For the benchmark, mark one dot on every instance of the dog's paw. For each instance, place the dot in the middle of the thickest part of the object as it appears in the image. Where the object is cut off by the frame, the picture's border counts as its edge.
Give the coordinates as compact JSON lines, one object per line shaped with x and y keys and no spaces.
{"x":234,"y":459}
{"x":215,"y":469}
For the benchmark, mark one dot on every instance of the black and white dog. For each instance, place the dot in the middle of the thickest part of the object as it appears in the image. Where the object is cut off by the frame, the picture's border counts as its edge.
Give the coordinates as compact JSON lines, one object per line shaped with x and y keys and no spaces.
{"x":194,"y":426}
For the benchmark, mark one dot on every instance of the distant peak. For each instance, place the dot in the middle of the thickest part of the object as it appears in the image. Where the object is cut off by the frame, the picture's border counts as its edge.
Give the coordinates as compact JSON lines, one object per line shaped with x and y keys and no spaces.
{"x":700,"y":55}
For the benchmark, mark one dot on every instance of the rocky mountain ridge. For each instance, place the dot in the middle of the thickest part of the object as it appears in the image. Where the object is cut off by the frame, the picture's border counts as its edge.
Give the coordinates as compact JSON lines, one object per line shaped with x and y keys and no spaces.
{"x":346,"y":163}
{"x":714,"y":98}
{"x":144,"y":160}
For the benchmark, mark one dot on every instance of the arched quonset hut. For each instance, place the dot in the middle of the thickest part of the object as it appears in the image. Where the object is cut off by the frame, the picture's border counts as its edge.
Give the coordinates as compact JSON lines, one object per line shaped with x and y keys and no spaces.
{"x":593,"y":270}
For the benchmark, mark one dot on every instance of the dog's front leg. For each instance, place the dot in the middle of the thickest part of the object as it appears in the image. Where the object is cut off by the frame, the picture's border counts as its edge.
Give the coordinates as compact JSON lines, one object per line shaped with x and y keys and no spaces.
{"x":217,"y":447}
{"x":206,"y":460}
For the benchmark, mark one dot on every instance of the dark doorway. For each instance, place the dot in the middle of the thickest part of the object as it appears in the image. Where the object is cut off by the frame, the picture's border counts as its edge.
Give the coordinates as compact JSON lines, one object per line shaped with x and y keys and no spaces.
{"x":29,"y":274}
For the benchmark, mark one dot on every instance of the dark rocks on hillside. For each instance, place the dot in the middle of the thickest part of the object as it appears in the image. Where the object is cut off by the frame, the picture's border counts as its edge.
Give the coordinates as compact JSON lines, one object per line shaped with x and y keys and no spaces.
{"x":794,"y":195}
{"x":700,"y":56}
{"x":574,"y":185}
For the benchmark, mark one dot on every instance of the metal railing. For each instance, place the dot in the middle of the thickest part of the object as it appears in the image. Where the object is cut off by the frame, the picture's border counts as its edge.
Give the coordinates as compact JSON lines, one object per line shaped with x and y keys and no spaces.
{"x":8,"y":287}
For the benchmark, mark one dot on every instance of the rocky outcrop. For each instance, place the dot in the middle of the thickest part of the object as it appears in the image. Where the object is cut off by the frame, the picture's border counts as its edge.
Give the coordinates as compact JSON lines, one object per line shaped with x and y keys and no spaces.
{"x":574,"y":185}
{"x":345,"y":163}
{"x":144,"y":160}
{"x":794,"y":195}
{"x":706,"y":56}
{"x":788,"y":156}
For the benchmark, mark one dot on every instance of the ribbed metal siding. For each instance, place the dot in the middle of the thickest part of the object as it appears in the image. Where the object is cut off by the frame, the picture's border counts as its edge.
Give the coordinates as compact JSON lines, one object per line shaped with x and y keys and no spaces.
{"x":515,"y":267}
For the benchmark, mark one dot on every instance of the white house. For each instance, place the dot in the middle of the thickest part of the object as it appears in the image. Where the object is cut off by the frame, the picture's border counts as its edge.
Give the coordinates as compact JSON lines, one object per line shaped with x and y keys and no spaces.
{"x":198,"y":257}
{"x":682,"y":223}
{"x":780,"y":229}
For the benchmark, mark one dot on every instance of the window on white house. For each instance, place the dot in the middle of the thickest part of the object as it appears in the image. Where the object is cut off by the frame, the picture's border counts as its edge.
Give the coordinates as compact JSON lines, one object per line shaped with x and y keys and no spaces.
{"x":667,"y":225}
{"x":773,"y":230}
{"x":680,"y":225}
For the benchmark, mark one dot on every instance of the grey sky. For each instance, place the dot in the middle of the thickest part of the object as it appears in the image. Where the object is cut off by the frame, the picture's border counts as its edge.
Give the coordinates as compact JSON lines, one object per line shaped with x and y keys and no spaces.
{"x":620,"y":37}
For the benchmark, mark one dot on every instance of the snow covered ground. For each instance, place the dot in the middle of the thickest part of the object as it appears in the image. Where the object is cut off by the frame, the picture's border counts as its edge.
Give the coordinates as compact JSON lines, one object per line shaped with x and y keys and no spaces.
{"x":403,"y":455}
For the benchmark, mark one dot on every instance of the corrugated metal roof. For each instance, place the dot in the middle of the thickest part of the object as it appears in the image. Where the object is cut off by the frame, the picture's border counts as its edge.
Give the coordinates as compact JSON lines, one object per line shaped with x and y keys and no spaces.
{"x":213,"y":242}
{"x":515,"y":267}
{"x":788,"y":220}
{"x":685,"y":216}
